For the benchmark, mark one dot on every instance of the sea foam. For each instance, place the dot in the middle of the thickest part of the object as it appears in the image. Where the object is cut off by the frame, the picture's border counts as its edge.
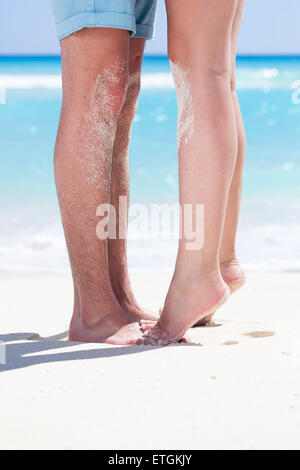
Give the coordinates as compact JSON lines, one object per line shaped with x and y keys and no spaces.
{"x":246,"y":79}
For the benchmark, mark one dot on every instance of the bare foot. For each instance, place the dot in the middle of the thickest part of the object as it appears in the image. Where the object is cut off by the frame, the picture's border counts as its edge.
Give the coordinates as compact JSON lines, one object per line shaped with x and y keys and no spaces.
{"x":187,"y":302}
{"x":232,"y":274}
{"x":234,"y":277}
{"x":113,"y":328}
{"x":135,"y":313}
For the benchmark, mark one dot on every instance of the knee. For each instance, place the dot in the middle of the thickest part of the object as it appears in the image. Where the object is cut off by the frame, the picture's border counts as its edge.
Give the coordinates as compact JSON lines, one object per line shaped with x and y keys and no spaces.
{"x":206,"y":67}
{"x":100,"y":96}
{"x":216,"y":70}
{"x":136,"y":63}
{"x":109,"y":93}
{"x":219,"y":70}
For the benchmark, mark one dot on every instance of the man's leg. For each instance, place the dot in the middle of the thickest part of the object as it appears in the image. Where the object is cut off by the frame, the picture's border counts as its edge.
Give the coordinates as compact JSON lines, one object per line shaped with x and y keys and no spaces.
{"x":231,"y":271}
{"x":95,"y":78}
{"x":117,"y":256}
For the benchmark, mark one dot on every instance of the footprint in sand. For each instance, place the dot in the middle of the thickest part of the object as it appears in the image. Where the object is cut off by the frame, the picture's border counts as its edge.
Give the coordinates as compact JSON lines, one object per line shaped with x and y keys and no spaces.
{"x":251,"y":334}
{"x":228,"y":333}
{"x":230,"y":343}
{"x":260,"y":334}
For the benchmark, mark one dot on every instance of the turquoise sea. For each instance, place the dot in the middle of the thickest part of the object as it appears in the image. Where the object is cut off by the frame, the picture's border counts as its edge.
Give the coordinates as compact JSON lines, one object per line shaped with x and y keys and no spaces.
{"x":269,"y":92}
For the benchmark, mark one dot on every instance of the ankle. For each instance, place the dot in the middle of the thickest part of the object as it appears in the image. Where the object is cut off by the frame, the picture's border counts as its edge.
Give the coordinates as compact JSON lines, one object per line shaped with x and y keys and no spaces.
{"x":91,"y":315}
{"x":196,"y":264}
{"x":123,"y":292}
{"x":192,"y":280}
{"x":128,"y":303}
{"x":228,"y":258}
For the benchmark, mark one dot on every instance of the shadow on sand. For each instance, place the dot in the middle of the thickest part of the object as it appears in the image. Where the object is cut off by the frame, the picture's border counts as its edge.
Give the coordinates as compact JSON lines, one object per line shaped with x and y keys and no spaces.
{"x":24,"y":353}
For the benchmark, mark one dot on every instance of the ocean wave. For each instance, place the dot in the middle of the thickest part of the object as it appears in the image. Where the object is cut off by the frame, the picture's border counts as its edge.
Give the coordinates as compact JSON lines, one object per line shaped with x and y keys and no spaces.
{"x":264,"y":79}
{"x":267,"y":247}
{"x":23,"y":82}
{"x":268,"y":238}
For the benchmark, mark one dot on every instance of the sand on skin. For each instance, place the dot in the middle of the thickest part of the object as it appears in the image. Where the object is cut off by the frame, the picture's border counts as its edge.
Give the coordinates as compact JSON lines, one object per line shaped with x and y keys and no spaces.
{"x":238,"y":388}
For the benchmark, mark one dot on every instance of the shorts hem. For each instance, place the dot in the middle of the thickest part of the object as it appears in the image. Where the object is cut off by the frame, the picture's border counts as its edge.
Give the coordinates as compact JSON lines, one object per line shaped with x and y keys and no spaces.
{"x":145,"y":31}
{"x":101,"y":20}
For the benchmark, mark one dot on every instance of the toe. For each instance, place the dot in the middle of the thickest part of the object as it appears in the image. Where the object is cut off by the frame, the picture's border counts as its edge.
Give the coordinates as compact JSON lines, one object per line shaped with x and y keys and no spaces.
{"x":148,"y":326}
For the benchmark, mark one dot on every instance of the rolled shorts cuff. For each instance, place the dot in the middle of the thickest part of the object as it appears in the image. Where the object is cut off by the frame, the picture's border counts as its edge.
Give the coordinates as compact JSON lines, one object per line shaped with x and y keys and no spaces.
{"x":145,"y":31}
{"x":101,"y":19}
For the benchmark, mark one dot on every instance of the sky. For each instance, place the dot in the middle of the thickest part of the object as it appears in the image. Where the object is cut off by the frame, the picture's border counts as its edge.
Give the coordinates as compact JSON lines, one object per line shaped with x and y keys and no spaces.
{"x":269,"y":27}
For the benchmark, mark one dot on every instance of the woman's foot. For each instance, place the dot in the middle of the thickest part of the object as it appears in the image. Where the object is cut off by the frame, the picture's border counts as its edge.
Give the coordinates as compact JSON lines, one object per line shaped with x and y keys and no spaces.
{"x":234,"y":277}
{"x":232,"y":274}
{"x":188,"y":301}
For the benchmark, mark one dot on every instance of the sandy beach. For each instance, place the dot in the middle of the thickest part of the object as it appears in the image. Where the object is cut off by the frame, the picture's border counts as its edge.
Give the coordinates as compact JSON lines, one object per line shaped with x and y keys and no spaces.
{"x":238,"y":388}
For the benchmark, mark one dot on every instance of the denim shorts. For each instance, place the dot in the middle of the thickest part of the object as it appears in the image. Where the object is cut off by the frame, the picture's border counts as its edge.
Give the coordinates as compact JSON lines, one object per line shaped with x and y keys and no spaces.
{"x":136,"y":16}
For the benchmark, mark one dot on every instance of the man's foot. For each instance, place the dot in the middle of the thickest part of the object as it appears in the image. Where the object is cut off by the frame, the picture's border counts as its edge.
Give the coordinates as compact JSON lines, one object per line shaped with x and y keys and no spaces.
{"x":135,"y":313}
{"x":113,"y":328}
{"x":186,"y":304}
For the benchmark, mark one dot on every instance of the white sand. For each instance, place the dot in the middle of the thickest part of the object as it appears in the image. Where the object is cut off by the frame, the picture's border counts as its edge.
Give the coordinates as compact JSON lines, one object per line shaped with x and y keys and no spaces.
{"x":235,"y":391}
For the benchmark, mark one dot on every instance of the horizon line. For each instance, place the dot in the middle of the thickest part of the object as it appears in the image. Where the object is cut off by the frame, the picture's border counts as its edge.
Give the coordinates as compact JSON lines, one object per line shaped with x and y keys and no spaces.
{"x":150,"y":56}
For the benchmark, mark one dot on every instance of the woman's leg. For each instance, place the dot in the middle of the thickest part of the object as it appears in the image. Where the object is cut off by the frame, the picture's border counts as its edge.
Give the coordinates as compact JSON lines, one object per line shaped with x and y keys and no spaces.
{"x":117,"y":251}
{"x":95,"y":78}
{"x":231,"y":271}
{"x":200,"y":52}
